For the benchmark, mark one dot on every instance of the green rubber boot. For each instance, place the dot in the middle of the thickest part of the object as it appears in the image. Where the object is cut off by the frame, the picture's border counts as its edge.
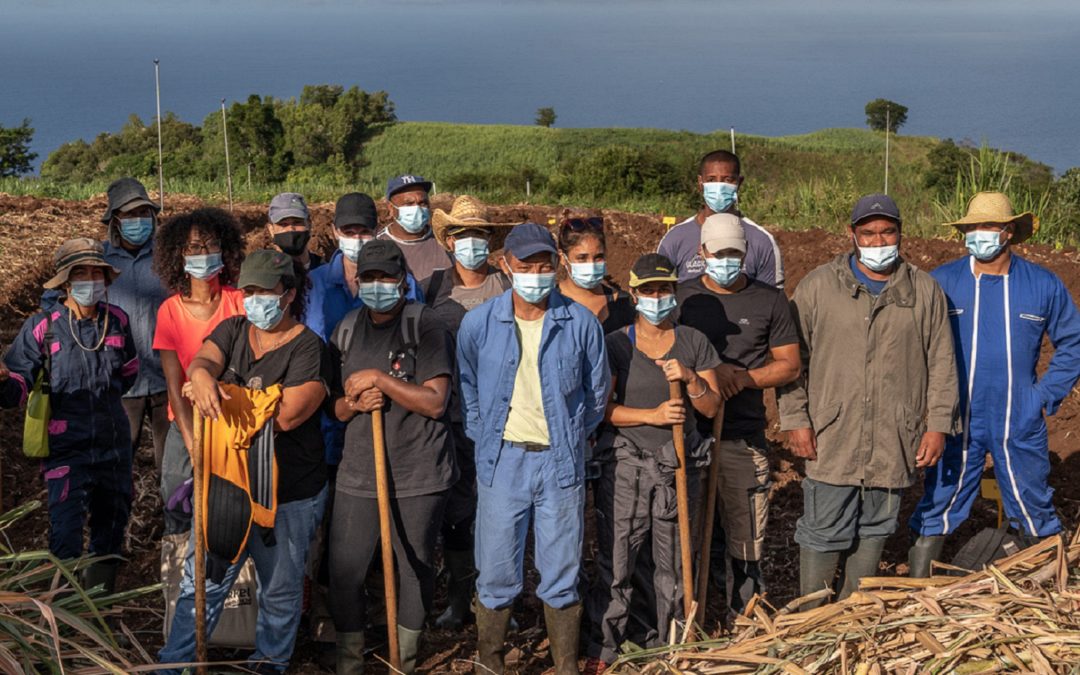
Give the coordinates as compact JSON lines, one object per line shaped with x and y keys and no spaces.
{"x":491,"y":627}
{"x":350,"y":654}
{"x":862,"y":561}
{"x":564,"y":634}
{"x":817,"y":570}
{"x":101,"y":573}
{"x":459,"y":589}
{"x":408,"y":645}
{"x":922,"y":552}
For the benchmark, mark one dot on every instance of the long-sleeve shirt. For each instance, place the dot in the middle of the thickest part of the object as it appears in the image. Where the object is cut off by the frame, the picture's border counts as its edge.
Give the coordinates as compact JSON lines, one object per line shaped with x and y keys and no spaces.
{"x":574,"y":380}
{"x":762,"y":262}
{"x":139,"y":292}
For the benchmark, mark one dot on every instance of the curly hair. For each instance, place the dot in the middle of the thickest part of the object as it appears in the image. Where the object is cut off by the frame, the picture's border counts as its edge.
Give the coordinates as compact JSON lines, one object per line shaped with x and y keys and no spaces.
{"x":172,"y":238}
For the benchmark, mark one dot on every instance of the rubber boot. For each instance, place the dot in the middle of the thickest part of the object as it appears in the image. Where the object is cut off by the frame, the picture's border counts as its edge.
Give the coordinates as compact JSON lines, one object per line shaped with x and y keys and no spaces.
{"x":101,"y":573}
{"x":408,"y":645}
{"x":922,"y":552}
{"x":817,"y":570}
{"x":490,"y":637}
{"x":862,"y":561}
{"x":459,"y":589}
{"x":564,"y":633}
{"x":350,"y":654}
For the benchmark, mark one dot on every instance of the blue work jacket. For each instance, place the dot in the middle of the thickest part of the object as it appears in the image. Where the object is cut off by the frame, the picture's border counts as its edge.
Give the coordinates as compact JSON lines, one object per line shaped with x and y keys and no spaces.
{"x":139,"y":292}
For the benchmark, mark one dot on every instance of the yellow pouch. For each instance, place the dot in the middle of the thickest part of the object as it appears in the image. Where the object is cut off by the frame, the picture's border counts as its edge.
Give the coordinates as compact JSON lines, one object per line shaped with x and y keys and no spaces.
{"x":38,"y":414}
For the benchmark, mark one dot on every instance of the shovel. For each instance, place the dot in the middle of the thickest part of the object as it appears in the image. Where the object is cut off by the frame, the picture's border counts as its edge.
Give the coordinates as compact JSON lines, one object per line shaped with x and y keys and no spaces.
{"x":383,"y":493}
{"x":683,"y":504}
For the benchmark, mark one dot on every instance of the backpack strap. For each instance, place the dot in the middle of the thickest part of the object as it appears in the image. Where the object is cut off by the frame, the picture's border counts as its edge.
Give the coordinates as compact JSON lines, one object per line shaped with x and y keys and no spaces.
{"x":434,"y":284}
{"x":410,"y":323}
{"x":342,"y":336}
{"x":46,"y":347}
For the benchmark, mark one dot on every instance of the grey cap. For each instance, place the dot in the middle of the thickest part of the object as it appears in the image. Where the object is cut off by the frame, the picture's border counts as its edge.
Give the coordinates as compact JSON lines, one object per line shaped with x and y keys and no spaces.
{"x":125,"y":194}
{"x":875,"y":205}
{"x":288,"y":205}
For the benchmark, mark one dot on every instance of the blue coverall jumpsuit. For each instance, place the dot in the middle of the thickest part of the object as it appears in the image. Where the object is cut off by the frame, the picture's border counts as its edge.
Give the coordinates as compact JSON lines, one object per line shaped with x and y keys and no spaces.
{"x":998,"y":324}
{"x":88,"y":470}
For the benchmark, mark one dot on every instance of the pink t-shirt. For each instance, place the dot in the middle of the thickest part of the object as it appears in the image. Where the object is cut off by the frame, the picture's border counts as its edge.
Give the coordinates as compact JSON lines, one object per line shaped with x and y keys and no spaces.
{"x":179,"y":331}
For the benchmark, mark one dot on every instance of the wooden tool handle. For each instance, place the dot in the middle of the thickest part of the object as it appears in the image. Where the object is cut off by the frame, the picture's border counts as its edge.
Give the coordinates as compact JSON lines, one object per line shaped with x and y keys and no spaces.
{"x":382,"y":485}
{"x":706,"y":532}
{"x":683,"y":503}
{"x":197,"y":520}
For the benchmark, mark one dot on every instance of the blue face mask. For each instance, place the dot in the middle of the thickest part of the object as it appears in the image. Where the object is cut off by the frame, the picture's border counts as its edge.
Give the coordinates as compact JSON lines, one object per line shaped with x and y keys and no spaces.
{"x":724,"y":271}
{"x":655,"y":310}
{"x":136,"y":230}
{"x":471,"y":252}
{"x":984,"y":245}
{"x":264,"y":311}
{"x":413,"y":219}
{"x":879,"y":258}
{"x":87,"y":293}
{"x":203,"y":267}
{"x":532,"y":288}
{"x":588,"y":275}
{"x":380,"y":296}
{"x":350,"y":247}
{"x":720,"y":196}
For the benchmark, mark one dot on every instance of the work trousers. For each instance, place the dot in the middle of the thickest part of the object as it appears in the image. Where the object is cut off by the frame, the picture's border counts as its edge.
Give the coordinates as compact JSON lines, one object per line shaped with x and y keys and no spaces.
{"x":101,"y":491}
{"x":155,"y":407}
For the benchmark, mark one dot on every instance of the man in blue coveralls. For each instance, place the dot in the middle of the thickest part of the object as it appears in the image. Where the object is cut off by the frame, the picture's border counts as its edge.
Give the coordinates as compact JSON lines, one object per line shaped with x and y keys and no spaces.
{"x":1001,"y":306}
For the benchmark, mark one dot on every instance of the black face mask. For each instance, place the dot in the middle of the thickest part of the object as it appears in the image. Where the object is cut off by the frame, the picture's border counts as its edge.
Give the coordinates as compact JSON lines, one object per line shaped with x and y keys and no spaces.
{"x":293,"y":243}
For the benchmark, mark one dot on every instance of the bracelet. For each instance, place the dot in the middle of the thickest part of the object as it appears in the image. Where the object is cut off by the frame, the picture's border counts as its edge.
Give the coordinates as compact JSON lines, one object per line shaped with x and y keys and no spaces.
{"x":704,"y":390}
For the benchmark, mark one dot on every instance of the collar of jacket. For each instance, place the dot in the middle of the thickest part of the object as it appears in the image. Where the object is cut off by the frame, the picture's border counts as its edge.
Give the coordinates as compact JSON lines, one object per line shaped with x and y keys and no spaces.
{"x":899,"y":289}
{"x":558,"y":306}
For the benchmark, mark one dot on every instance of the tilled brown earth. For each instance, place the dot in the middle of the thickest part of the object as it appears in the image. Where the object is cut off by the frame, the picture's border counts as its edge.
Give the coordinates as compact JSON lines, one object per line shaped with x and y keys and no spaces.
{"x":32,"y":228}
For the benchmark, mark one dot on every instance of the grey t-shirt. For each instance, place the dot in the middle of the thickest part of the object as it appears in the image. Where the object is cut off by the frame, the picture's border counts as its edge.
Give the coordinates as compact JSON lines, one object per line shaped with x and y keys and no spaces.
{"x":419,"y":449}
{"x":423,"y":256}
{"x":682,"y":244}
{"x":640,"y":383}
{"x":743,"y":327}
{"x":451,"y":300}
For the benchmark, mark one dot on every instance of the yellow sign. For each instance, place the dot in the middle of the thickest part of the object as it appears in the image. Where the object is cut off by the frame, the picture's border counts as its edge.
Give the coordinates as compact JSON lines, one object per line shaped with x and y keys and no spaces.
{"x":991,"y":491}
{"x":551,"y":220}
{"x":669,"y":221}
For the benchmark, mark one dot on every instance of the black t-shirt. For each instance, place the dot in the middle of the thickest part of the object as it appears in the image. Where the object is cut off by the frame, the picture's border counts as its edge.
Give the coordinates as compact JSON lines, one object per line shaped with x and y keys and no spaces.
{"x":743,"y":327}
{"x":299,"y":453}
{"x":419,"y":449}
{"x":620,"y":310}
{"x":640,"y":383}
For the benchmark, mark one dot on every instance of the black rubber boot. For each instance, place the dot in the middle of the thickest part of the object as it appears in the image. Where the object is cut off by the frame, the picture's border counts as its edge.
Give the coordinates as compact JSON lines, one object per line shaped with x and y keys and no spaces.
{"x":350,"y":653}
{"x":490,"y":637}
{"x":922,"y":552}
{"x":564,"y":634}
{"x":459,"y":590}
{"x":862,"y":561}
{"x":817,"y":570}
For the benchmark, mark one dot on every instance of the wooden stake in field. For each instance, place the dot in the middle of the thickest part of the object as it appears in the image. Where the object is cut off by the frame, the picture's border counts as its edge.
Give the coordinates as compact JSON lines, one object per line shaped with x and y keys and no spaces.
{"x":683,"y":504}
{"x":160,"y":167}
{"x":382,"y":487}
{"x":228,"y":167}
{"x":197,"y":458}
{"x":707,"y":520}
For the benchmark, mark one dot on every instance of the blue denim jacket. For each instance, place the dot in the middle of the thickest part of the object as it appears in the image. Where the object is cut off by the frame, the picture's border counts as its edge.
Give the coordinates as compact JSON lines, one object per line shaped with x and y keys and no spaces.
{"x":139,"y":292}
{"x":574,"y":380}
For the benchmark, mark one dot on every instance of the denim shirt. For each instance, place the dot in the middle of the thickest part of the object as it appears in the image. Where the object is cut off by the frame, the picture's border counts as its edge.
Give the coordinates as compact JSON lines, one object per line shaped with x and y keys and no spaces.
{"x":139,"y":292}
{"x":574,"y":380}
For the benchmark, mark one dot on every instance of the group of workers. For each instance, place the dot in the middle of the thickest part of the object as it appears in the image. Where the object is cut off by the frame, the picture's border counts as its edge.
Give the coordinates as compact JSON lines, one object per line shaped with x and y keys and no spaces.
{"x":513,"y":377}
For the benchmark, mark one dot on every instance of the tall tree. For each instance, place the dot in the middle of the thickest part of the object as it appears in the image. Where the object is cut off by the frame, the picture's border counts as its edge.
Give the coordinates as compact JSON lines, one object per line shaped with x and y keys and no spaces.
{"x":881,"y":109}
{"x":545,"y":117}
{"x":15,"y":156}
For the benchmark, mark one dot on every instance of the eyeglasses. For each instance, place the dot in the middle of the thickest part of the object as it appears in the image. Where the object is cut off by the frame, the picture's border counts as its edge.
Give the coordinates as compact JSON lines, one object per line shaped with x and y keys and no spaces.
{"x":579,"y":224}
{"x":202,"y":247}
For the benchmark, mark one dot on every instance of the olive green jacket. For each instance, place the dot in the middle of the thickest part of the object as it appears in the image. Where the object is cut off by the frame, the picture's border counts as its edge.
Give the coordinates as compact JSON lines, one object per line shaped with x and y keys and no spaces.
{"x":877,"y":373}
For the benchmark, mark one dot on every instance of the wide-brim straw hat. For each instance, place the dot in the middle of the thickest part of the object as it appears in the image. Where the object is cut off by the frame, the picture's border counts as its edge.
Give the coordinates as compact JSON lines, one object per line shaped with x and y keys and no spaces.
{"x":75,"y":252}
{"x":466,"y":213}
{"x":995,"y":208}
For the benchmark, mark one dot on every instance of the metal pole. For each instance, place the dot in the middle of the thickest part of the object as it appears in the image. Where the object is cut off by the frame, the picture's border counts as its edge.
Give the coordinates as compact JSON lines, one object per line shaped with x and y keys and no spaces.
{"x":887,"y":122}
{"x":228,"y":168}
{"x":249,"y":175}
{"x":733,"y":140}
{"x":160,"y":168}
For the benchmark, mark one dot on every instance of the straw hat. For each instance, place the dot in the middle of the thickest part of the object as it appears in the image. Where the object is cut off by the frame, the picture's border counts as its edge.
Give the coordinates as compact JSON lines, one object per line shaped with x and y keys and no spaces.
{"x":467,"y":213}
{"x":995,"y":208}
{"x":75,"y":252}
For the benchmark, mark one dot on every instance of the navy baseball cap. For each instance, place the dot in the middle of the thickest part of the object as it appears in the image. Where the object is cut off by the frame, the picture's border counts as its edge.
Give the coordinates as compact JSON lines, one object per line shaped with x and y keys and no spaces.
{"x":529,"y":239}
{"x":875,"y":205}
{"x":399,"y":183}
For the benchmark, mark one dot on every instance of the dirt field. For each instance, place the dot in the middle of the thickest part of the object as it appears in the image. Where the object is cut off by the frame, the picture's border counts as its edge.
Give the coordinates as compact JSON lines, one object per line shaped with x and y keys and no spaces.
{"x":30,"y":230}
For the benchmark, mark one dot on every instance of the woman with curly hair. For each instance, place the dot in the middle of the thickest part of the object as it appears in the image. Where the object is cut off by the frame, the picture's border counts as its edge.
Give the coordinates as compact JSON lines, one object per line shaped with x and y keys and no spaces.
{"x":197,"y":255}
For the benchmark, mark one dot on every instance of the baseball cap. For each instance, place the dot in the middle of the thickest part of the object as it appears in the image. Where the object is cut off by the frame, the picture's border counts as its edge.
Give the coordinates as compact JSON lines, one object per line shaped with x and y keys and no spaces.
{"x":125,"y":194}
{"x":381,"y":255}
{"x":356,"y":208}
{"x":264,"y":269}
{"x":652,"y":267}
{"x":876,"y":204}
{"x":721,"y":231}
{"x":529,"y":239}
{"x":399,"y":183}
{"x":288,"y":205}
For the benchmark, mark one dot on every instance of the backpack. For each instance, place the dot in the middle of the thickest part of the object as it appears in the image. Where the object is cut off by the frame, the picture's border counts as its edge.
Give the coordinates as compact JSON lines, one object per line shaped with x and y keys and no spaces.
{"x":399,"y":360}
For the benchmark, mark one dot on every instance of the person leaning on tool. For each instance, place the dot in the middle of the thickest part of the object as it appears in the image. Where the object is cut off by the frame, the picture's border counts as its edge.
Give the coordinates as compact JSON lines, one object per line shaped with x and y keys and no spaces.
{"x":750,"y":325}
{"x":266,"y":346}
{"x":131,"y":219}
{"x":83,"y":349}
{"x":396,"y":356}
{"x":635,"y":494}
{"x":875,"y":400}
{"x":534,"y":385}
{"x":1001,"y":307}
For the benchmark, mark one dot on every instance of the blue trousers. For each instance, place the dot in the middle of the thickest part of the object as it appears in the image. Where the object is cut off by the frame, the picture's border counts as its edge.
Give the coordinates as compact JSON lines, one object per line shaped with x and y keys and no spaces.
{"x":525,"y":490}
{"x":280,"y":573}
{"x":101,"y":490}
